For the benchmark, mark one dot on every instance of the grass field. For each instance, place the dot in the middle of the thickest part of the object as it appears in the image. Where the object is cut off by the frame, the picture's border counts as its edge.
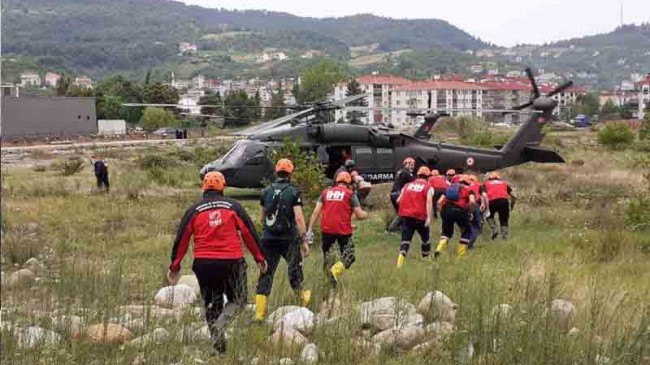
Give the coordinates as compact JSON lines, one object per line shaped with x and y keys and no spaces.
{"x":569,"y":240}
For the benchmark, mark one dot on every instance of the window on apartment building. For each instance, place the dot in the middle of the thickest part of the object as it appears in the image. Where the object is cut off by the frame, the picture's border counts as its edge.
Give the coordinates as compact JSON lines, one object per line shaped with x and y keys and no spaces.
{"x":397,"y":102}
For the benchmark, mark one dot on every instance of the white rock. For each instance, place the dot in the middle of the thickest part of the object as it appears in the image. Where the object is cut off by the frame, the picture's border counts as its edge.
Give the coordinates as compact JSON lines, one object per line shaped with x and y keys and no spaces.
{"x":192,"y":282}
{"x":255,"y":361}
{"x":301,"y":319}
{"x":439,"y":330}
{"x":437,"y":305}
{"x":410,"y":336}
{"x":277,"y":314}
{"x":134,"y":325}
{"x":33,"y":265}
{"x":287,"y":337}
{"x":109,"y":333}
{"x":574,"y":332}
{"x":385,"y":313}
{"x":562,"y":313}
{"x":34,"y":336}
{"x":309,"y":354}
{"x":70,"y":324}
{"x":501,"y":312}
{"x":368,"y":347}
{"x":424,"y":347}
{"x":20,"y":279}
{"x":175,"y":296}
{"x":387,"y":337}
{"x":203,"y":333}
{"x":286,"y":361}
{"x":160,"y":335}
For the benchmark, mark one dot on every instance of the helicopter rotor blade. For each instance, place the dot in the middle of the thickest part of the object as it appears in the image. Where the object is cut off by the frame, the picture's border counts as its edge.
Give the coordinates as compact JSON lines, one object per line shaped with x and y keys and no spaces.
{"x":560,"y":88}
{"x":415,"y":110}
{"x":272,"y":123}
{"x":533,"y":83}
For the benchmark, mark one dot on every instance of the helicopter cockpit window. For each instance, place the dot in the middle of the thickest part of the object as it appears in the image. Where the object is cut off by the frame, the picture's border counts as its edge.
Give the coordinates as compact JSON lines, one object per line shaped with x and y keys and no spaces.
{"x":236,"y":152}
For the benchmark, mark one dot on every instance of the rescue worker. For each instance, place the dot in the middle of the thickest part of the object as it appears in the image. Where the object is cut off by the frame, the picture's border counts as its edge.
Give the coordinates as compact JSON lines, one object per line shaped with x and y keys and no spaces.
{"x":337,"y":205}
{"x":349,"y":166}
{"x":455,"y":206}
{"x":218,"y":225}
{"x":496,"y":191}
{"x":403,"y":177}
{"x":283,"y":236}
{"x":439,"y":184}
{"x":451,"y":175}
{"x":476,"y":221}
{"x":415,"y":208}
{"x":101,"y":172}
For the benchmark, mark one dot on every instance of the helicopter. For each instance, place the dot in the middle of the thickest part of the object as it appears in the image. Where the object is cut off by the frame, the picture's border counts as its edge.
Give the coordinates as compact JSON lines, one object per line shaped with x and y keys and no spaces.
{"x":379,"y":151}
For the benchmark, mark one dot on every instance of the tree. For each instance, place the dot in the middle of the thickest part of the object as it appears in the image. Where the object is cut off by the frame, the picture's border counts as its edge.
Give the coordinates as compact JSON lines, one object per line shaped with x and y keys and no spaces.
{"x":110,"y":107}
{"x":355,"y":116}
{"x":277,"y":103}
{"x":319,"y":80}
{"x":63,"y":85}
{"x":239,"y":109}
{"x":159,"y":93}
{"x":256,"y":113}
{"x":210,"y":98}
{"x":112,"y":93}
{"x":586,"y":104}
{"x":644,"y":132}
{"x":154,"y":118}
{"x":609,"y":111}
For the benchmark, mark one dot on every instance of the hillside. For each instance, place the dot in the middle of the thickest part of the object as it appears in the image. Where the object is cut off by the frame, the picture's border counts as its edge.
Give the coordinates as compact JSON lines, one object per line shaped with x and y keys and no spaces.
{"x":96,"y":37}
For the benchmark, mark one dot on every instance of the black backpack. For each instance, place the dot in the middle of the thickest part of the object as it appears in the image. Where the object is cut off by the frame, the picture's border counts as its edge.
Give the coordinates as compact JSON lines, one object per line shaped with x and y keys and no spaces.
{"x":277,"y":214}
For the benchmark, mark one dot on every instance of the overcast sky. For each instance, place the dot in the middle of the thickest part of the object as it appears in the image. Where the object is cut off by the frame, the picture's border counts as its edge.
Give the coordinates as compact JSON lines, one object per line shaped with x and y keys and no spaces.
{"x":503,"y":22}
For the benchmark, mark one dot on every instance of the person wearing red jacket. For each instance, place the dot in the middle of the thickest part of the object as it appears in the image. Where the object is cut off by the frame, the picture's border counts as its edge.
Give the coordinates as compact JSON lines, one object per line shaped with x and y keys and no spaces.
{"x":217,"y":223}
{"x":496,"y":191}
{"x":476,"y":221}
{"x":455,"y":206}
{"x":415,"y":208}
{"x":439,"y":184}
{"x":337,"y":205}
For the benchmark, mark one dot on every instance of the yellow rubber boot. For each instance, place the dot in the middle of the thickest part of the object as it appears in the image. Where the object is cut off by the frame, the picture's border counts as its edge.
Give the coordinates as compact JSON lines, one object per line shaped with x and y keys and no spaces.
{"x":260,"y":307}
{"x":337,"y":270}
{"x":442,"y":246}
{"x":400,"y":260}
{"x":461,"y":250}
{"x":305,"y":297}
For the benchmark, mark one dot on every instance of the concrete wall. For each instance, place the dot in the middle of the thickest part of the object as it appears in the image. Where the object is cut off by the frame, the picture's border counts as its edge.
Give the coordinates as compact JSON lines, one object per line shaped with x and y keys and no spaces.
{"x":27,"y":116}
{"x":111,"y":126}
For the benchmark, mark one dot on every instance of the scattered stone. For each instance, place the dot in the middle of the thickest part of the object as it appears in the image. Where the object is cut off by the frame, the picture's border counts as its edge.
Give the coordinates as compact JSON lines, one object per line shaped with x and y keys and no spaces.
{"x":410,"y":336}
{"x":501,"y":312}
{"x":574,"y":332}
{"x":192,"y":282}
{"x":136,"y":325}
{"x":385,"y":313}
{"x":438,"y":306}
{"x":309,"y":354}
{"x":287,"y":337}
{"x":302,"y":319}
{"x":255,"y":361}
{"x":439,"y":330}
{"x":285,"y":361}
{"x":386,"y":338}
{"x":176,"y":296}
{"x":109,"y":333}
{"x":22,"y":278}
{"x":562,"y":313}
{"x":139,"y":359}
{"x":33,"y":265}
{"x":202,"y":334}
{"x":70,"y":324}
{"x":277,"y":314}
{"x":34,"y":336}
{"x":368,"y":347}
{"x":427,"y":346}
{"x":158,"y":336}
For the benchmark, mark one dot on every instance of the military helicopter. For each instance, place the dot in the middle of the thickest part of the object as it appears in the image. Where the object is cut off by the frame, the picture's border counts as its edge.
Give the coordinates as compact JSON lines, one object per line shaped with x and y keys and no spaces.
{"x":379,"y":151}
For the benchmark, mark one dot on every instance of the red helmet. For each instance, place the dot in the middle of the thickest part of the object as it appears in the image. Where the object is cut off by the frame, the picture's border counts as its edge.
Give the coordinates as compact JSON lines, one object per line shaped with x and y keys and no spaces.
{"x":284,"y":165}
{"x":424,"y":171}
{"x":214,"y":180}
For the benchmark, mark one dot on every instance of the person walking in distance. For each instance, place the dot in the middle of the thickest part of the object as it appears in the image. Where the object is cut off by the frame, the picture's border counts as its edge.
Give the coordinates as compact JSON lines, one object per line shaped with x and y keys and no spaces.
{"x":337,"y":205}
{"x":439,"y":184}
{"x":455,"y":206}
{"x":218,"y":225}
{"x":404,"y":176}
{"x":283,"y":237}
{"x":101,"y":172}
{"x":415,"y":208}
{"x":496,"y":191}
{"x":476,"y":217}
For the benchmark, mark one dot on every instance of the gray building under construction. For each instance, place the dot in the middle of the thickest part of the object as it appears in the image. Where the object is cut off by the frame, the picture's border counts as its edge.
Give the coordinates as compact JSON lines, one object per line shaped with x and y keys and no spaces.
{"x":38,"y":117}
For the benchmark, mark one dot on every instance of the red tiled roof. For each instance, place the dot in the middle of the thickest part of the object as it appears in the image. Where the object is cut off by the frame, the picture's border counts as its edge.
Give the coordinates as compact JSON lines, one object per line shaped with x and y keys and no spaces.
{"x":382,"y":79}
{"x":646,"y":81}
{"x":440,"y":85}
{"x":505,"y":86}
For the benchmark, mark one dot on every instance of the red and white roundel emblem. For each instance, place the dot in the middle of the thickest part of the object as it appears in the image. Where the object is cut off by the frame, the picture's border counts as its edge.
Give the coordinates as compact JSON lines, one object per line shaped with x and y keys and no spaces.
{"x":470,"y":161}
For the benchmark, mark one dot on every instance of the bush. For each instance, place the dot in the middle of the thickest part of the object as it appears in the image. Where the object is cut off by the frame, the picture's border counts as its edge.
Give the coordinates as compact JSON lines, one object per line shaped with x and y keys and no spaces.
{"x":616,"y":136}
{"x":308,"y":172}
{"x":71,"y":166}
{"x":644,"y":132}
{"x":154,"y":118}
{"x":147,"y":162}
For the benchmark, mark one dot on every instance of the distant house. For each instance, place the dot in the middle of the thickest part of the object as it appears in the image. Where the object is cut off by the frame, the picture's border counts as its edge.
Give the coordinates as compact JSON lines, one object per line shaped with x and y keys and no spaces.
{"x":643,"y":90}
{"x":10,"y":90}
{"x":187,"y":48}
{"x":51,"y":79}
{"x":30,"y":79}
{"x":476,"y":69}
{"x":267,"y":56}
{"x":84,"y":82}
{"x":312,"y":53}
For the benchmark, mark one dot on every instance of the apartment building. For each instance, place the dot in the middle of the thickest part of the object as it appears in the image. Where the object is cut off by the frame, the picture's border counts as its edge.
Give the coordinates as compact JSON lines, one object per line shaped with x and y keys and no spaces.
{"x":643,"y":92}
{"x":380,"y":87}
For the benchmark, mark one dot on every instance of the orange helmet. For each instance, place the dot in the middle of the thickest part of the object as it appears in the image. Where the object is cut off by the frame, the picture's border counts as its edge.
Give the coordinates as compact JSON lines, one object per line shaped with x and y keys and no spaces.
{"x":435,"y":172}
{"x":214,"y":180}
{"x":344,"y":177}
{"x":472,"y":178}
{"x":424,"y":171}
{"x":284,"y":165}
{"x":451,"y":172}
{"x":493,"y":175}
{"x":408,"y":160}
